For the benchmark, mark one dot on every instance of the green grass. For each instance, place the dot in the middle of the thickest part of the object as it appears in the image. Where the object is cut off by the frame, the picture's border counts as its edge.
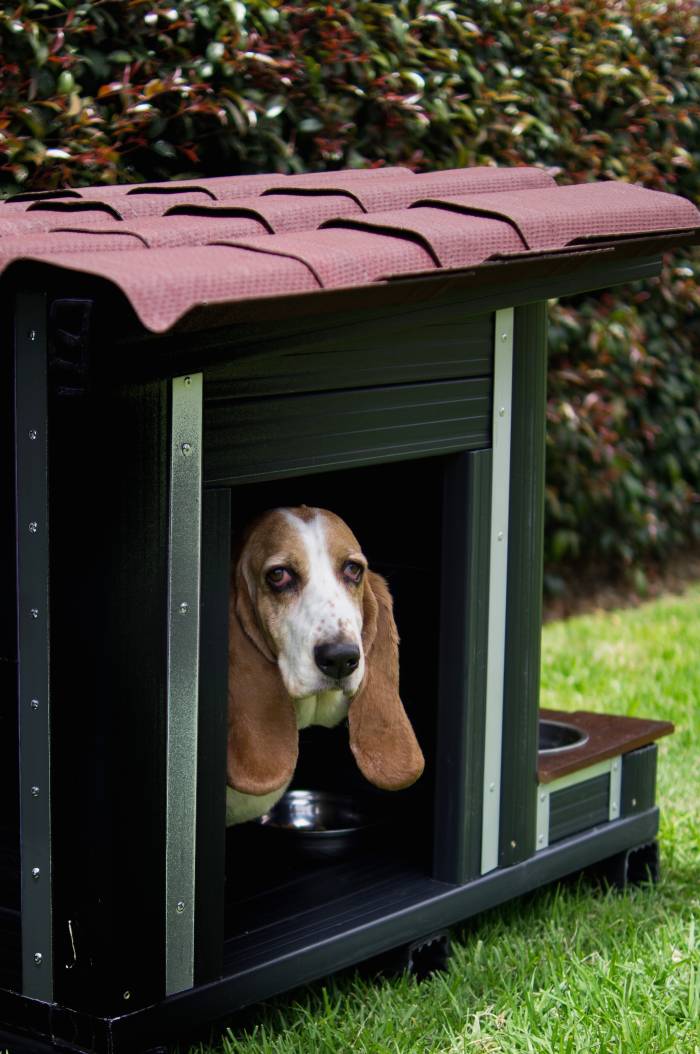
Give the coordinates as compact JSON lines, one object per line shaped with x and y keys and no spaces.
{"x":569,"y":969}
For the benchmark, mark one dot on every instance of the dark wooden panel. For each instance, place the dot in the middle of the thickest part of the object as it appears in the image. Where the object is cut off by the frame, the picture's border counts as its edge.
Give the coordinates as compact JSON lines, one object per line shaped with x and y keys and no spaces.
{"x":462,"y":666}
{"x":10,"y":950}
{"x":211,"y":738}
{"x":524,"y":595}
{"x":608,"y":736}
{"x":397,"y":340}
{"x":638,"y":780}
{"x":360,"y":354}
{"x":10,"y":896}
{"x":109,"y":484}
{"x":579,"y":808}
{"x":246,"y":440}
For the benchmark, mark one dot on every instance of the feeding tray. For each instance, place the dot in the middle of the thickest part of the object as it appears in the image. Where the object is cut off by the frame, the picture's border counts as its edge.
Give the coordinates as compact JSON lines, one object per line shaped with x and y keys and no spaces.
{"x":600,"y":737}
{"x":558,"y":735}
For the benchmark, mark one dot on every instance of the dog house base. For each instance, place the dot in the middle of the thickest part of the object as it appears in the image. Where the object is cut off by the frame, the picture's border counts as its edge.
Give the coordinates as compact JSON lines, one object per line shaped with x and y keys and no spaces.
{"x":323,"y":945}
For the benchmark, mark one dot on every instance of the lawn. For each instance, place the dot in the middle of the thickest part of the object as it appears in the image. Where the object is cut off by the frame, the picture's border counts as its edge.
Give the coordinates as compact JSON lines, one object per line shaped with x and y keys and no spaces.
{"x":569,"y":969}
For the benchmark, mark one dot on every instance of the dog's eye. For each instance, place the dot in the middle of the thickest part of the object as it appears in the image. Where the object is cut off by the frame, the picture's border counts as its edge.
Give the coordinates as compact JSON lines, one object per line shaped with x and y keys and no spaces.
{"x":279,"y":578}
{"x":353,"y":571}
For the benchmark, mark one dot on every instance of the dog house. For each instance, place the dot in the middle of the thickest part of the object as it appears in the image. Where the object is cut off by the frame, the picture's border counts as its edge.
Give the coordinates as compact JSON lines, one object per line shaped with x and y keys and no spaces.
{"x":178,"y":358}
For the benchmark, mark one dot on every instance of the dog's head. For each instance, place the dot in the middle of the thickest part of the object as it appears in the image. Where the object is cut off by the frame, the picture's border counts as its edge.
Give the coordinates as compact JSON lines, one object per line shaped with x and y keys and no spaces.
{"x":308,"y":616}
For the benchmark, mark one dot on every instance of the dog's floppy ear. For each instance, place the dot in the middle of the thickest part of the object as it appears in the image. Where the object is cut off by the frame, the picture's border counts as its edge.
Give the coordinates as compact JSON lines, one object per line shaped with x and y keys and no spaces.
{"x":263,"y":741}
{"x":381,"y":737}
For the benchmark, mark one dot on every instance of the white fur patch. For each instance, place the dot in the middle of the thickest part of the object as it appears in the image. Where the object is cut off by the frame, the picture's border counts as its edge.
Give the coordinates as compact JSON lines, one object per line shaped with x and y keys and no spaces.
{"x":241,"y":807}
{"x":323,"y":611}
{"x":324,"y":708}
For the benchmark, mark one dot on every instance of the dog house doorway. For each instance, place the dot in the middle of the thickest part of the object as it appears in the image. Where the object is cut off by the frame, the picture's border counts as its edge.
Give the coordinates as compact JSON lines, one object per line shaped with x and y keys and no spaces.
{"x":395,"y":511}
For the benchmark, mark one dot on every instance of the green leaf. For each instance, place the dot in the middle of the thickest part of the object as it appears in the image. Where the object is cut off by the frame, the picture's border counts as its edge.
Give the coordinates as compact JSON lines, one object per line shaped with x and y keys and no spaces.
{"x":164,"y":149}
{"x":309,"y":125}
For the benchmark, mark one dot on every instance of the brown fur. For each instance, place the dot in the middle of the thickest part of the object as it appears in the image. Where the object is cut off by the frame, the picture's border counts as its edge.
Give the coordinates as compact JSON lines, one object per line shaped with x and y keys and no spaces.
{"x":381,"y":737}
{"x":262,"y":725}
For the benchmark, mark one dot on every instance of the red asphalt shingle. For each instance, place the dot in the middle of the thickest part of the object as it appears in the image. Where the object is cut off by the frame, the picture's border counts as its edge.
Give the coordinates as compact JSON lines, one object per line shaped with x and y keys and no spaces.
{"x":171,"y":247}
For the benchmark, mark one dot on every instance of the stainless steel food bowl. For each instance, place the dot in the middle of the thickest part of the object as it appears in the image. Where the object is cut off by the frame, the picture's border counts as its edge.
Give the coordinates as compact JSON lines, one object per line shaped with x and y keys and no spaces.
{"x":319,"y":823}
{"x":558,"y":735}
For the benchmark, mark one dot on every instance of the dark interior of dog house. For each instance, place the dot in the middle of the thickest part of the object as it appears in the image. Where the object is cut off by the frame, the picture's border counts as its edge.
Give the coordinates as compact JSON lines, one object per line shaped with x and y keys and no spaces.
{"x":181,"y":358}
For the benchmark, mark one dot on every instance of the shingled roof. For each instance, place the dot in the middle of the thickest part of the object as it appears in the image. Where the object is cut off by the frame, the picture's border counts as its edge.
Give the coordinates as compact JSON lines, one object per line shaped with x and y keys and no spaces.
{"x":170,"y":247}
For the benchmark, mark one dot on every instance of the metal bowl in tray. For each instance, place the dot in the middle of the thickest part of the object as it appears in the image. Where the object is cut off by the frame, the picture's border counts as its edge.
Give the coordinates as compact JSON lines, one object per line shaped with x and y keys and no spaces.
{"x":320,"y":824}
{"x":558,"y":735}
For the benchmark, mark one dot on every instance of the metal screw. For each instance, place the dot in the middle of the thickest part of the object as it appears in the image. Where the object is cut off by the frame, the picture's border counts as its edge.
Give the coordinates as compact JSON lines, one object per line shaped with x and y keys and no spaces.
{"x":492,"y":787}
{"x":33,"y":527}
{"x":184,"y":607}
{"x":31,"y":334}
{"x":540,"y":840}
{"x":543,"y":797}
{"x":127,"y":994}
{"x":34,"y":704}
{"x":513,"y":845}
{"x":187,"y":382}
{"x":186,"y":449}
{"x":180,"y":907}
{"x":34,"y":612}
{"x":634,"y":802}
{"x":504,"y":337}
{"x":502,"y":411}
{"x":500,"y":536}
{"x":33,"y":433}
{"x":34,"y":792}
{"x":615,"y":766}
{"x":38,"y":958}
{"x":35,"y":873}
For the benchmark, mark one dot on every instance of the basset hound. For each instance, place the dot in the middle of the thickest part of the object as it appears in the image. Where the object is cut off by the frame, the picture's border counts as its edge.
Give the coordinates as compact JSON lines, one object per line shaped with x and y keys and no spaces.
{"x":312,"y":640}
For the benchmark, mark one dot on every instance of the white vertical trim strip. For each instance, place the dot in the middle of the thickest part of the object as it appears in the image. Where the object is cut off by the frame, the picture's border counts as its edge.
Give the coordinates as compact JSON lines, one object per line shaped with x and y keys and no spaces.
{"x":32,"y":525}
{"x":615,"y":789}
{"x":498,"y":580}
{"x":542,"y":829}
{"x":183,"y":679}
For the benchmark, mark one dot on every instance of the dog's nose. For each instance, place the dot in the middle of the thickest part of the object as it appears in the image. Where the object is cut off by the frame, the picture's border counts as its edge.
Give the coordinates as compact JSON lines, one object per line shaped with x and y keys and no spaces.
{"x":337,"y":660}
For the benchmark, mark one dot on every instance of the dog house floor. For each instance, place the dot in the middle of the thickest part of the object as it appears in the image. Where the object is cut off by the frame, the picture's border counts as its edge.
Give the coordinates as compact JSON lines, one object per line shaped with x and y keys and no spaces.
{"x":304,"y":902}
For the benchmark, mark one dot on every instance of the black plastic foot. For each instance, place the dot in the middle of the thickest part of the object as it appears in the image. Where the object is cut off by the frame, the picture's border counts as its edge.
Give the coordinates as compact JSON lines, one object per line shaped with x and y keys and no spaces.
{"x":631,"y":867}
{"x":428,"y":956}
{"x":420,"y":958}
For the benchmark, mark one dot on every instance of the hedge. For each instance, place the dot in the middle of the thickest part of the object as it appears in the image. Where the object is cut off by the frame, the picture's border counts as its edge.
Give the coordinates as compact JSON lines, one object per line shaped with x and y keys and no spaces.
{"x":128,"y":91}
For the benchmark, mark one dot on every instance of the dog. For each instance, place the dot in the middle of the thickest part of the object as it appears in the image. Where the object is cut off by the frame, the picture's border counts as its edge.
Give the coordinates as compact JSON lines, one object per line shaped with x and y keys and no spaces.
{"x":312,"y":640}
